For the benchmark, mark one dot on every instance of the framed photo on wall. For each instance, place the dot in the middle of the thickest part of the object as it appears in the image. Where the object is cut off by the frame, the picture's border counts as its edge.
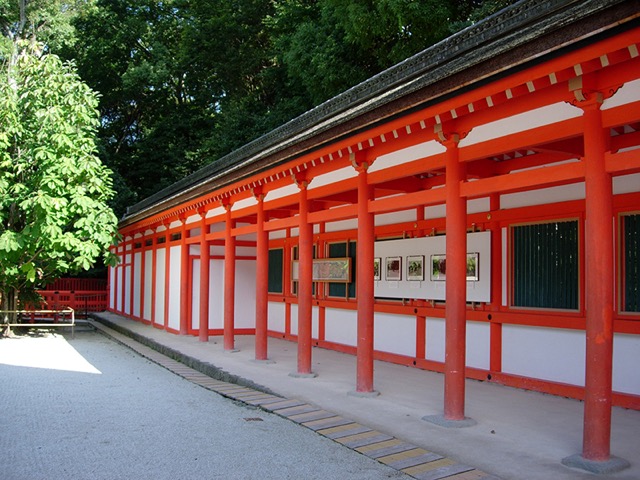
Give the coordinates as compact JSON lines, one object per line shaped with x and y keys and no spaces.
{"x":473,"y":272}
{"x":438,"y":268}
{"x":376,"y":268}
{"x":415,"y":268}
{"x":393,"y":269}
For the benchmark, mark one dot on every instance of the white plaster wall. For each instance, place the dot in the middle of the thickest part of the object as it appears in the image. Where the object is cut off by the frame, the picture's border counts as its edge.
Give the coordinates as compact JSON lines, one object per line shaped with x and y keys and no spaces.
{"x":521,"y":122}
{"x":137,"y":287}
{"x":216,"y":294}
{"x":294,"y":319}
{"x":283,"y":192}
{"x":119,"y":272}
{"x":245,"y":290}
{"x":396,"y":217}
{"x":408,"y":154}
{"x":341,"y":225}
{"x":478,"y":345}
{"x":195,"y":294}
{"x":112,"y":287}
{"x":395,"y":334}
{"x":627,"y":183}
{"x":563,"y":193}
{"x":332,"y":177}
{"x":477,"y":291}
{"x":626,"y":358}
{"x":159,"y":300}
{"x":277,"y":316}
{"x":127,"y":286}
{"x":435,"y":340}
{"x":341,"y":326}
{"x":148,"y":282}
{"x":174,"y":287}
{"x":629,"y":92}
{"x":557,"y":355}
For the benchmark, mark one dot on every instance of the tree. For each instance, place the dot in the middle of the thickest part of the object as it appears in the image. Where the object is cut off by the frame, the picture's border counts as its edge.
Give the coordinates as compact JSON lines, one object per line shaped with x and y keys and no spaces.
{"x":54,"y":191}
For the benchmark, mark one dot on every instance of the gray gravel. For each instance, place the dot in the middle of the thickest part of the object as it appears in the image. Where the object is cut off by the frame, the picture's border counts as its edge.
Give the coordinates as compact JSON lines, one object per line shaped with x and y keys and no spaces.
{"x":89,"y":408}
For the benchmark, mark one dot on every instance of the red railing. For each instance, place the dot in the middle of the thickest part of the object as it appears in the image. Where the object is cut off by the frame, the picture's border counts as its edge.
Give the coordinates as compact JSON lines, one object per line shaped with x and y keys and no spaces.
{"x":84,"y":295}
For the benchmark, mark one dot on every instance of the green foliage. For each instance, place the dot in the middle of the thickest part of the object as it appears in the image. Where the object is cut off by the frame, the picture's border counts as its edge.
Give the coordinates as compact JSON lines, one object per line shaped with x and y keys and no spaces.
{"x":54,"y":217}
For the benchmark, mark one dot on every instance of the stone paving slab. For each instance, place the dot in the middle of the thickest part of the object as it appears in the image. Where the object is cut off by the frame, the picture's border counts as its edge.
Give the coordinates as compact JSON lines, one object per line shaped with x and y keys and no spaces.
{"x":402,"y":456}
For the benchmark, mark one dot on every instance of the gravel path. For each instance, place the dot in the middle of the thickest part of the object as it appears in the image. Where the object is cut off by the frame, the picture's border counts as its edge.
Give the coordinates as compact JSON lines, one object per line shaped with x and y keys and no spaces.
{"x":89,"y":408}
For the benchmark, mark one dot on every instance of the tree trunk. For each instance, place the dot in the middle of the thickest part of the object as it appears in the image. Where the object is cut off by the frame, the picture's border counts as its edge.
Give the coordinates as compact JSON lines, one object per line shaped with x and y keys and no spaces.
{"x":8,"y":307}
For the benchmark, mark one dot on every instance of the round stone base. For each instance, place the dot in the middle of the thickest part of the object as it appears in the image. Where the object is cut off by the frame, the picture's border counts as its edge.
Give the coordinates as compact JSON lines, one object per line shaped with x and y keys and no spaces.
{"x":443,"y":422}
{"x":613,"y":465}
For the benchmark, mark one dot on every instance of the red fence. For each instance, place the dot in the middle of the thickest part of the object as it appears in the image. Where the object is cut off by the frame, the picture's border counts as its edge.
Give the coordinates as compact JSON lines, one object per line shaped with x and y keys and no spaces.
{"x":84,"y":295}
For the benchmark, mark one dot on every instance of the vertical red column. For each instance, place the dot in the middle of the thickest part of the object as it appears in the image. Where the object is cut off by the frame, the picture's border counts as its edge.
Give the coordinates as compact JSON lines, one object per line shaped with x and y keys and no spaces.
{"x":203,"y":333}
{"x":599,"y":255}
{"x":364,"y":285}
{"x":229,"y":281}
{"x":455,"y":289}
{"x":305,"y":285}
{"x":184,"y":281}
{"x":495,"y":360}
{"x":456,"y":286}
{"x":132,"y":274}
{"x":262,"y":280}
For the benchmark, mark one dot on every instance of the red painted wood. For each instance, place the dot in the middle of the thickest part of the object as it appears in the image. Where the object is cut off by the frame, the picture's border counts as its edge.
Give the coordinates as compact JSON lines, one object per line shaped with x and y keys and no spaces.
{"x":456,"y":287}
{"x":262,"y":282}
{"x":229,"y":281}
{"x":364,"y":285}
{"x":599,"y":290}
{"x":305,"y":284}
{"x":203,"y":331}
{"x":184,"y":280}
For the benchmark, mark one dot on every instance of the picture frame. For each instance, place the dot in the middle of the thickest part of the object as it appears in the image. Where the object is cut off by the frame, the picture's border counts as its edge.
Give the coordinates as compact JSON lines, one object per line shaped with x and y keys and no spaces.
{"x":336,"y":270}
{"x":473,"y":267}
{"x":376,"y":269}
{"x":393,"y":271}
{"x":415,"y":268}
{"x":438,"y":268}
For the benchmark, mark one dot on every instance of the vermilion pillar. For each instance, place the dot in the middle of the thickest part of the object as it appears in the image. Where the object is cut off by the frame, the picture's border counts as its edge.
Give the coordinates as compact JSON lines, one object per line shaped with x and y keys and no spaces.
{"x":203,"y":333}
{"x":154,"y":273}
{"x":143,"y":275}
{"x":229,"y":282}
{"x":305,"y":285}
{"x":364,"y":285}
{"x":184,"y":281}
{"x":456,"y":285}
{"x":599,"y":285}
{"x":262,"y":280}
{"x":599,"y":256}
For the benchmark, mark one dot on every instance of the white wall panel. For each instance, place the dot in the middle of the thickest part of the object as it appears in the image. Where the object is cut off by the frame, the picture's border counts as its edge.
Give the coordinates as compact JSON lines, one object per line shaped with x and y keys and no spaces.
{"x":409,"y":154}
{"x":395,"y":217}
{"x":341,"y":225}
{"x":160,"y":274}
{"x":522,"y":122}
{"x":195,"y":297}
{"x":626,"y":358}
{"x":557,"y":355}
{"x":478,"y":345}
{"x":434,"y":343}
{"x":174,"y":287}
{"x":216,"y":294}
{"x":148,"y":282}
{"x":564,"y":193}
{"x":294,"y":319}
{"x":395,"y":334}
{"x":137,"y":287}
{"x":341,"y":326}
{"x":627,"y":183}
{"x":245,"y":290}
{"x":112,"y":287}
{"x":333,"y":177}
{"x":277,"y":316}
{"x":127,"y":288}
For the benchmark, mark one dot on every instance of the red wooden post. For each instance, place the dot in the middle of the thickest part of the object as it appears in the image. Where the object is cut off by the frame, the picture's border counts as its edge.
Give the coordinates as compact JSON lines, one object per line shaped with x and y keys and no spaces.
{"x":229,"y":281}
{"x":262,"y":280}
{"x":143,"y":267}
{"x":167,"y":276}
{"x":599,"y":256}
{"x":154,"y":273}
{"x":305,"y":285}
{"x":364,"y":279}
{"x":203,"y":333}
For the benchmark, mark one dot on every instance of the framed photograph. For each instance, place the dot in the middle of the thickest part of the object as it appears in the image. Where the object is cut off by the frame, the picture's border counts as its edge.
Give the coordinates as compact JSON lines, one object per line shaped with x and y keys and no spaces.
{"x":332,"y":270}
{"x":376,"y":268}
{"x":415,"y":267}
{"x":394,"y":269}
{"x":438,"y":268}
{"x":472,"y":267}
